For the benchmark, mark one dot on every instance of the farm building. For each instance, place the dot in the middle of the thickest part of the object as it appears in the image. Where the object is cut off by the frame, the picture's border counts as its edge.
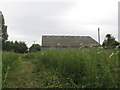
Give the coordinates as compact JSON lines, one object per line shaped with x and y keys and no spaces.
{"x":68,"y":42}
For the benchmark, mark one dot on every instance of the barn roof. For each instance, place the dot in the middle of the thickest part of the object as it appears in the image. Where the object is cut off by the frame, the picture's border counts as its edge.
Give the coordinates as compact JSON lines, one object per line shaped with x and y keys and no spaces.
{"x":69,"y":41}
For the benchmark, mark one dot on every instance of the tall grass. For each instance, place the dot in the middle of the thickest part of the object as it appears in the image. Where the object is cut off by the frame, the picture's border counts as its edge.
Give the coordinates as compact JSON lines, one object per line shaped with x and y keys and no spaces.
{"x":84,"y":68}
{"x":79,"y":68}
{"x":8,"y":63}
{"x":0,"y":68}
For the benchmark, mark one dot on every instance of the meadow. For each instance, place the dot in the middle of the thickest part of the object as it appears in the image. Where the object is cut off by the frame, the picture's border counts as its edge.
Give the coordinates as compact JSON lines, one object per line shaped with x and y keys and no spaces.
{"x":84,"y":68}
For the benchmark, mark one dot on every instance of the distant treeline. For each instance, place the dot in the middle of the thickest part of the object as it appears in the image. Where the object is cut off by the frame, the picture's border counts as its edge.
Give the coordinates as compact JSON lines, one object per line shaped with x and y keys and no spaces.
{"x":19,"y":47}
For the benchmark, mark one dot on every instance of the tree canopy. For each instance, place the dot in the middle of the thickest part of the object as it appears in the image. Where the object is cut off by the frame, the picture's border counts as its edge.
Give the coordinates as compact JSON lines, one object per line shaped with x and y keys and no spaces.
{"x":34,"y":48}
{"x":109,"y":41}
{"x":4,"y":30}
{"x":18,"y":47}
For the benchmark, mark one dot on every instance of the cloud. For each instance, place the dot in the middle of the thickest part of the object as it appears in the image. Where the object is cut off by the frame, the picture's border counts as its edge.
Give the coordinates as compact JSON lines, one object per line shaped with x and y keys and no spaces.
{"x":36,"y":0}
{"x":28,"y":21}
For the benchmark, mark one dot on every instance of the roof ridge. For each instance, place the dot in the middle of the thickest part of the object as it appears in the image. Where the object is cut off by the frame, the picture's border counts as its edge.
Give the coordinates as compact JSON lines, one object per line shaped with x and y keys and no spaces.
{"x":64,"y":36}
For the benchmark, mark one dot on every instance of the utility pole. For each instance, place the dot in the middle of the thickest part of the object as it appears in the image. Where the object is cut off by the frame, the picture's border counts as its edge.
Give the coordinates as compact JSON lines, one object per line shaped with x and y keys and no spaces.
{"x":99,"y":35}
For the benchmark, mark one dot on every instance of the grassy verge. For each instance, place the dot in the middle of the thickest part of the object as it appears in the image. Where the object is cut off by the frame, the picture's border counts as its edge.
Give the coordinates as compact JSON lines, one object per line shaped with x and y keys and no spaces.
{"x":9,"y":60}
{"x":96,"y":68}
{"x":77,"y":68}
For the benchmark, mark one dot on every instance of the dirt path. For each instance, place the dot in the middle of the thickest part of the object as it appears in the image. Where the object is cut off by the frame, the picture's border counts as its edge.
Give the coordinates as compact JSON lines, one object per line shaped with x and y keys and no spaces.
{"x":22,"y":76}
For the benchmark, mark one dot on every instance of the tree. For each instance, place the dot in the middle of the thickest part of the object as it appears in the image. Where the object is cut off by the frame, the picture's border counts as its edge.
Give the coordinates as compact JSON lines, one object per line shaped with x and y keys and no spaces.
{"x":4,"y":35}
{"x":4,"y":30}
{"x":1,"y":26}
{"x":20,"y":47}
{"x":7,"y":46}
{"x":35,"y":47}
{"x":109,"y":41}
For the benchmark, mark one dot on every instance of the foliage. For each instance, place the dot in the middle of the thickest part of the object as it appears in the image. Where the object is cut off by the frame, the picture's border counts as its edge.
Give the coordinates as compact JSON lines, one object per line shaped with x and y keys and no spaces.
{"x":84,"y":68}
{"x":76,"y":68}
{"x":4,"y":30}
{"x":35,"y":47}
{"x":109,"y":41}
{"x":9,"y":60}
{"x":19,"y":47}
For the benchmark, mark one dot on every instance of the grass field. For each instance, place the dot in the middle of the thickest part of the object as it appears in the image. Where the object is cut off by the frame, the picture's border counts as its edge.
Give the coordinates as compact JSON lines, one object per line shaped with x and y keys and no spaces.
{"x":95,"y":68}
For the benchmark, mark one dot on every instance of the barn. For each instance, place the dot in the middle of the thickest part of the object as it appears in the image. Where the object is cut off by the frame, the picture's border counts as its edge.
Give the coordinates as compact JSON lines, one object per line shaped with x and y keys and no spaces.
{"x":68,"y":42}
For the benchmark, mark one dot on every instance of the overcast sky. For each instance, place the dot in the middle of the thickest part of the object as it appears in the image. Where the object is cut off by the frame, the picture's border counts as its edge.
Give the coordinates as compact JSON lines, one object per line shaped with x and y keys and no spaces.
{"x":28,"y":20}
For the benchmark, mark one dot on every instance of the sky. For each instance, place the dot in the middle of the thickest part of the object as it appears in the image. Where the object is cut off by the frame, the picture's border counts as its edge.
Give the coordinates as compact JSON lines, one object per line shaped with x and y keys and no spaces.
{"x":28,"y":20}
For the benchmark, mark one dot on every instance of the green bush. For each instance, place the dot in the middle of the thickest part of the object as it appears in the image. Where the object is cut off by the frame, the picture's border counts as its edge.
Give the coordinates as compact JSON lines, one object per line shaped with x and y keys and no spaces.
{"x":8,"y":59}
{"x":84,"y":68}
{"x":81,"y":68}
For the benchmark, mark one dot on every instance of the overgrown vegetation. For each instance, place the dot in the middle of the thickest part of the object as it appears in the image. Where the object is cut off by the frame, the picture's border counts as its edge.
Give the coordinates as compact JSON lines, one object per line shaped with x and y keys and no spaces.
{"x":34,"y":48}
{"x":95,"y":68}
{"x":110,"y":42}
{"x":18,"y":47}
{"x":87,"y":68}
{"x":9,"y":63}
